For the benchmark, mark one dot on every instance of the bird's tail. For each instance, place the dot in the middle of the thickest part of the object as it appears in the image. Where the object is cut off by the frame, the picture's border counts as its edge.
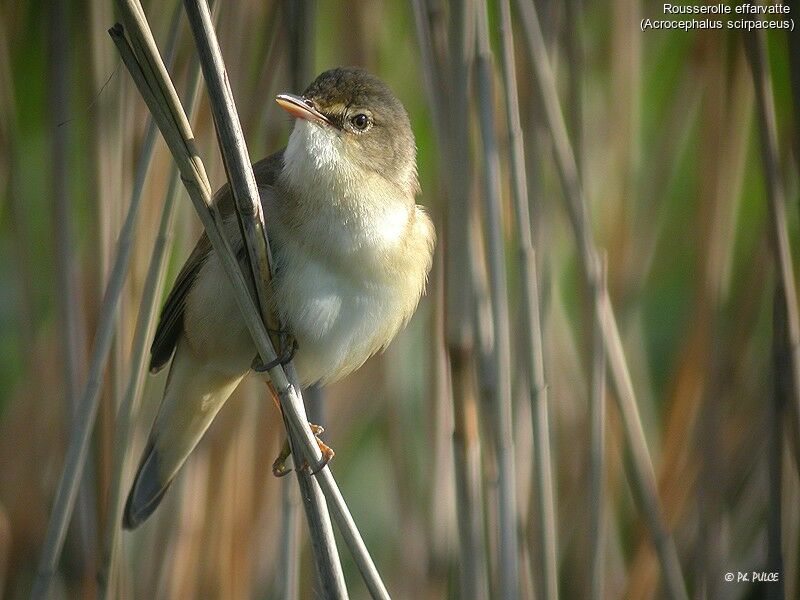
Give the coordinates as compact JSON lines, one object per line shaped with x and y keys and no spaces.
{"x":193,"y":396}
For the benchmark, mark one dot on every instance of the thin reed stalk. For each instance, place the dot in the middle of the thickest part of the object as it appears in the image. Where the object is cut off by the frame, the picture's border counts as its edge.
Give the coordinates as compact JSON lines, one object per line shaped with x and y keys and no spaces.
{"x":786,"y":321}
{"x":234,"y":152}
{"x":782,"y":394}
{"x":508,"y":550}
{"x":13,"y":201}
{"x":451,"y":117}
{"x":639,"y":463}
{"x":86,"y":408}
{"x":597,"y":452}
{"x":154,"y":85}
{"x":532,"y":328}
{"x":448,"y":101}
{"x":251,"y":223}
{"x":288,"y":574}
{"x":573,"y":47}
{"x":66,"y":264}
{"x":298,"y":18}
{"x":440,"y":518}
{"x":71,"y":320}
{"x":268,"y":47}
{"x":143,"y":332}
{"x":794,"y":72}
{"x":461,"y":307}
{"x":755,"y":47}
{"x":710,"y":546}
{"x":129,"y":408}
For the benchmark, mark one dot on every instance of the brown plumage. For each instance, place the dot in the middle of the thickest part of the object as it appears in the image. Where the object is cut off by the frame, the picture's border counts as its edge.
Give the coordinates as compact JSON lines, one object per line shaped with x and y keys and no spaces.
{"x":351,"y":250}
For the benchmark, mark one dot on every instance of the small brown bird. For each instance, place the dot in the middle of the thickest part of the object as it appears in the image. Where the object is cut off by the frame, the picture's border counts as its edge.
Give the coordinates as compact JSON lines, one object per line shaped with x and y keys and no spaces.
{"x":351,"y":250}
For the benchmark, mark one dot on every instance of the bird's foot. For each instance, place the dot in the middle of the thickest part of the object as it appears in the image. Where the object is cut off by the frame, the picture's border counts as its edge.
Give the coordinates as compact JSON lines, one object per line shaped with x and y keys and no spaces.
{"x":327,"y":452}
{"x":286,"y":352}
{"x":279,"y":468}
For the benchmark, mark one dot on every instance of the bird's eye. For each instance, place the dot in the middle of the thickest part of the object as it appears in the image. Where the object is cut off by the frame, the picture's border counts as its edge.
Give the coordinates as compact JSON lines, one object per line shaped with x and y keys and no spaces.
{"x":360,"y":121}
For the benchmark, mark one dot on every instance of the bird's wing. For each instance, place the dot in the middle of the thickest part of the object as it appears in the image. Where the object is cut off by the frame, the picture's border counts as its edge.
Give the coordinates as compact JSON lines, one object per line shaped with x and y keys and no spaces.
{"x":170,"y":324}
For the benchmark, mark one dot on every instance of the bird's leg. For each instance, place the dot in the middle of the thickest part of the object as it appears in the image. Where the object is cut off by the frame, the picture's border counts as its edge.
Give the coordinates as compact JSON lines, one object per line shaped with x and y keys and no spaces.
{"x":279,"y":468}
{"x":286,"y":352}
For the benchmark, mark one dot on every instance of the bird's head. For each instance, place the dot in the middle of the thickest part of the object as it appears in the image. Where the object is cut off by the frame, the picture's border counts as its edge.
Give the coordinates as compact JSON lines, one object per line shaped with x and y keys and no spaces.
{"x":350,"y":124}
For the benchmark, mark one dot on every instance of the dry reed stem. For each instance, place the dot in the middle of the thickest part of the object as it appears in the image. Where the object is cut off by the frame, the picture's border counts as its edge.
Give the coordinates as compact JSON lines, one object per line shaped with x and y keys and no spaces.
{"x":786,"y":321}
{"x":460,"y":302}
{"x":289,"y":569}
{"x":794,"y":66}
{"x":782,"y":395}
{"x":86,"y":409}
{"x":148,"y":310}
{"x":14,"y":203}
{"x":298,"y":18}
{"x":251,"y":221}
{"x":597,"y":469}
{"x":162,"y":106}
{"x":72,"y":320}
{"x":508,"y":551}
{"x":755,"y":47}
{"x":532,"y":336}
{"x":451,"y":119}
{"x":641,"y":473}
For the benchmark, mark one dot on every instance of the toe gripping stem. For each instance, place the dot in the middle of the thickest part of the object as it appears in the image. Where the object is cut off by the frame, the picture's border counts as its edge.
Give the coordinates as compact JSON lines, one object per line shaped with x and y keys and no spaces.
{"x":279,"y":468}
{"x":288,"y":349}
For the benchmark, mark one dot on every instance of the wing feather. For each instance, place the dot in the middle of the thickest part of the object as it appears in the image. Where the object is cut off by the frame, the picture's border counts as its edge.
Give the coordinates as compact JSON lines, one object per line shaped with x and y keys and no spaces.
{"x":170,"y":324}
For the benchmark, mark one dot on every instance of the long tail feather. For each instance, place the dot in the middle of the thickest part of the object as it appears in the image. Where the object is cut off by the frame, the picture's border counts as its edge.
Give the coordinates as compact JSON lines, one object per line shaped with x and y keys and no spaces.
{"x":194,"y":394}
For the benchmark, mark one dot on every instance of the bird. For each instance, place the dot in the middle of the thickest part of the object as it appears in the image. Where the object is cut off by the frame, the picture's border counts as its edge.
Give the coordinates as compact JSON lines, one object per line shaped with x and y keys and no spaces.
{"x":351,"y":254}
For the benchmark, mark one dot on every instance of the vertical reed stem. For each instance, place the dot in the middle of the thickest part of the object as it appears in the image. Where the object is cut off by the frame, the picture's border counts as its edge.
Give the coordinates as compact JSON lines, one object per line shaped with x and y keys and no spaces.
{"x":251,"y":221}
{"x":86,"y":409}
{"x":597,"y":449}
{"x":501,"y":352}
{"x":66,"y":263}
{"x":298,"y":17}
{"x":782,"y":394}
{"x":148,"y":309}
{"x":532,"y":336}
{"x":158,"y":92}
{"x":755,"y":46}
{"x":641,"y":473}
{"x":450,"y":114}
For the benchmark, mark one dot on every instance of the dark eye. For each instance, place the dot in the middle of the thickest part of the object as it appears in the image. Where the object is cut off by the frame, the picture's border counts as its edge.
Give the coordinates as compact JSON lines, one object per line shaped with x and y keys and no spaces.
{"x":360,"y":121}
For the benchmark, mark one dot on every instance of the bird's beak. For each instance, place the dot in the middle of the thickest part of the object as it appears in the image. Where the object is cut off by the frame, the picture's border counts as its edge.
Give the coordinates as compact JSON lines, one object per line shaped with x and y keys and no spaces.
{"x":297,"y":107}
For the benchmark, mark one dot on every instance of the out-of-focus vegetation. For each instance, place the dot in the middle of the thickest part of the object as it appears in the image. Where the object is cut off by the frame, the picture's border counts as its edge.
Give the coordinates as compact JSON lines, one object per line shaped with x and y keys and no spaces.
{"x":666,"y":133}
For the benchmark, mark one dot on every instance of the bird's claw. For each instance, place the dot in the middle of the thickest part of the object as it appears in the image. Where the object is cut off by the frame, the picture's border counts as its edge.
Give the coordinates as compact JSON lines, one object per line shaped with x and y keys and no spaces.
{"x":327,"y":455}
{"x":287,"y":351}
{"x":279,"y":468}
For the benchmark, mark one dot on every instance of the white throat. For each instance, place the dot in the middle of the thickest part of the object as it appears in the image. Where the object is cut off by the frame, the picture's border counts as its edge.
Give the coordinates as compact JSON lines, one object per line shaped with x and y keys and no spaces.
{"x":355,"y":206}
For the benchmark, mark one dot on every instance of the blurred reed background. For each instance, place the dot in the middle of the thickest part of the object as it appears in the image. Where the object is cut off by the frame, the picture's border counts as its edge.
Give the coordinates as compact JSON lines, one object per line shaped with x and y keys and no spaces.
{"x":591,"y":184}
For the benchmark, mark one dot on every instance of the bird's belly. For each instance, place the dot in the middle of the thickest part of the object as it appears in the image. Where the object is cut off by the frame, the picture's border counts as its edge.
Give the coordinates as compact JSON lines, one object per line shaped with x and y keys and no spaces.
{"x":338,"y":319}
{"x":340,"y":313}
